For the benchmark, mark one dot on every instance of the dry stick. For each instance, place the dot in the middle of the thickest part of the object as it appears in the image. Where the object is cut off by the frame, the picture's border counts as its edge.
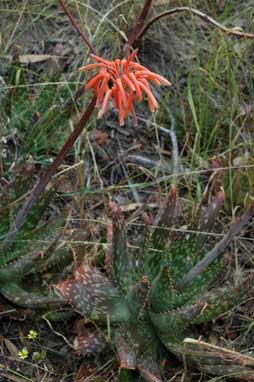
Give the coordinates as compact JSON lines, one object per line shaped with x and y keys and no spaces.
{"x":43,"y":182}
{"x":217,"y":250}
{"x":139,"y":24}
{"x":229,"y":31}
{"x":81,"y":90}
{"x":76,"y":26}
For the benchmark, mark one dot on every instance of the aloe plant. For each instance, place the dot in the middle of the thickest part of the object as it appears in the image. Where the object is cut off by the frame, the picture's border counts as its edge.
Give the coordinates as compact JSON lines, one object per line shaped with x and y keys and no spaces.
{"x":37,"y":130}
{"x":152,"y":299}
{"x":35,"y":250}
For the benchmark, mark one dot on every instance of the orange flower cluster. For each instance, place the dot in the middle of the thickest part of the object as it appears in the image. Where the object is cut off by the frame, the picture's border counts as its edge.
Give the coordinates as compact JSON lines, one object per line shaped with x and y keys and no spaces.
{"x":124,"y":81}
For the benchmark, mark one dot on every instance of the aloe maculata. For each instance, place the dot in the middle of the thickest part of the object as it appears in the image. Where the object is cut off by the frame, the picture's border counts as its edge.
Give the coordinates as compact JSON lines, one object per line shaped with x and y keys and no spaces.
{"x":35,"y":250}
{"x":152,"y":301}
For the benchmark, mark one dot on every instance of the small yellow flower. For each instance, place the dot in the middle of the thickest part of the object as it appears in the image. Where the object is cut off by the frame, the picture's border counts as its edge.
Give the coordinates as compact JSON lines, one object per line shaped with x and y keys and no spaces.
{"x":23,"y":354}
{"x":32,"y":334}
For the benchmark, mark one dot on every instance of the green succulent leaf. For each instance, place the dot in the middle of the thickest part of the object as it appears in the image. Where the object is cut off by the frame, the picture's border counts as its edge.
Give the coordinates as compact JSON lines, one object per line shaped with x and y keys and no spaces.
{"x":125,"y":375}
{"x":139,"y":298}
{"x":221,"y":300}
{"x":165,"y":219}
{"x":18,"y":295}
{"x":138,"y":347}
{"x":126,"y":354}
{"x":216,"y":360}
{"x":171,"y":326}
{"x":162,"y":291}
{"x":29,"y":232}
{"x":209,"y":215}
{"x":94,"y":295}
{"x":124,"y":266}
{"x":148,"y":376}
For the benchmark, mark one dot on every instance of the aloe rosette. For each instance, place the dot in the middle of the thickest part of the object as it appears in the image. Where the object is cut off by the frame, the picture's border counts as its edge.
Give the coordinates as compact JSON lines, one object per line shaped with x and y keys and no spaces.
{"x":153,"y":299}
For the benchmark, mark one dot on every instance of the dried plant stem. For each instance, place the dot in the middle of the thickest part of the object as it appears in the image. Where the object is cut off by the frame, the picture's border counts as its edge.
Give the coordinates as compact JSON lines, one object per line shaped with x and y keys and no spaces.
{"x":138,"y":25}
{"x":175,"y":152}
{"x":76,"y":26}
{"x":47,"y":176}
{"x":217,"y":250}
{"x":230,"y":31}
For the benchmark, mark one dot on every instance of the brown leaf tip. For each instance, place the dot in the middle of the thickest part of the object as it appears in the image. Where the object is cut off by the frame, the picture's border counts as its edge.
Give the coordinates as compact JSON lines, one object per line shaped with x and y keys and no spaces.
{"x":117,"y":215}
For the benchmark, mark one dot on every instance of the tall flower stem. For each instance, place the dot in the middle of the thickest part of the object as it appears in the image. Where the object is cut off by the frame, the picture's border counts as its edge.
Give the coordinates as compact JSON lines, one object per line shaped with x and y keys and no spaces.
{"x":47,"y":176}
{"x":138,"y":26}
{"x":76,"y":26}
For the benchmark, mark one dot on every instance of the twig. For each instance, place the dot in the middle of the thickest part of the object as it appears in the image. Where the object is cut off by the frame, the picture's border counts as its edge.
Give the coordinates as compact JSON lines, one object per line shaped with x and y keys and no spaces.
{"x":43,"y":182}
{"x":7,"y":312}
{"x":138,"y":26}
{"x":76,"y":26}
{"x":55,"y":332}
{"x":175,"y":151}
{"x":128,"y":179}
{"x":230,"y":31}
{"x":217,"y":250}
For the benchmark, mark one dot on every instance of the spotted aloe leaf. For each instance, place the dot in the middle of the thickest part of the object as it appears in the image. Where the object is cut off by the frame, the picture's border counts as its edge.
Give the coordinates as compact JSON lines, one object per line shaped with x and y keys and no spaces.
{"x":165,"y":219}
{"x":172,"y":325}
{"x":155,"y":255}
{"x":138,"y":298}
{"x":89,"y":341}
{"x":124,"y":265}
{"x":30,"y":254}
{"x":221,"y":300}
{"x":86,"y":370}
{"x":163,"y":294}
{"x":148,"y":376}
{"x":11,"y":192}
{"x":17,"y":269}
{"x":217,"y":360}
{"x":126,"y":354}
{"x":94,"y":295}
{"x":209,"y":215}
{"x":139,"y":346}
{"x":20,"y":296}
{"x":190,"y":248}
{"x":209,"y":258}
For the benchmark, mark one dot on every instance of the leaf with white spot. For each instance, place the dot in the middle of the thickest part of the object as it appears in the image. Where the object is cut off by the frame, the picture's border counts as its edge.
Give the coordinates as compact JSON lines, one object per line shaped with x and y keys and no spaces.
{"x":220,"y":300}
{"x":165,"y":219}
{"x":139,"y":298}
{"x":89,"y":341}
{"x":125,"y":271}
{"x":94,"y":295}
{"x":209,"y":215}
{"x":127,"y":356}
{"x":172,"y":325}
{"x":138,"y":346}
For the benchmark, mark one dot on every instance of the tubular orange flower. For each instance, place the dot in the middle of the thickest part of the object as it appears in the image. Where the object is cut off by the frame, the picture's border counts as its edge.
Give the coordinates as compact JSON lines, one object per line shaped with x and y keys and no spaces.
{"x":123,"y":81}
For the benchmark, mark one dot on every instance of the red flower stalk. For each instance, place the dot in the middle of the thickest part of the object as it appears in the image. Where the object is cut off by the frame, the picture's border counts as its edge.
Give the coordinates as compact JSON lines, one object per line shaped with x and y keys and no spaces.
{"x":124,"y":81}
